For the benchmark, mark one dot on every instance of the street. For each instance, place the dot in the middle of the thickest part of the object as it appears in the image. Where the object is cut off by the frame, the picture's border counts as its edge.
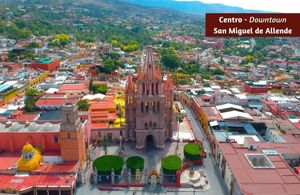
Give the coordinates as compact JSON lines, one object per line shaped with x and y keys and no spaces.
{"x":216,"y":182}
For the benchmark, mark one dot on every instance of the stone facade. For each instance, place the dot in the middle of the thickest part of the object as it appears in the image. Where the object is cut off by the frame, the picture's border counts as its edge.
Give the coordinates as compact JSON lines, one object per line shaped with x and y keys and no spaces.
{"x":149,"y":105}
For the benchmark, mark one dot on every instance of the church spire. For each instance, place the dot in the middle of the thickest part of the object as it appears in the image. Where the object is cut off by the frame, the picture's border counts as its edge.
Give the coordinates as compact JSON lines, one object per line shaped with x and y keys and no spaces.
{"x":149,"y":64}
{"x":129,"y":84}
{"x":168,"y":83}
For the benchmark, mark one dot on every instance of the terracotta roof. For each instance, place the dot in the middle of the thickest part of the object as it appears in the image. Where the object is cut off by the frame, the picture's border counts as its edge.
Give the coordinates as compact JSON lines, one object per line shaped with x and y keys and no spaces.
{"x":278,"y":180}
{"x":54,"y":101}
{"x":99,"y":125}
{"x":74,"y":87}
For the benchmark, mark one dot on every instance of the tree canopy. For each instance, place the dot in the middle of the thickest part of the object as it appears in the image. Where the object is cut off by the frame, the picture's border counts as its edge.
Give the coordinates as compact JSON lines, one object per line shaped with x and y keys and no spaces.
{"x":170,"y":59}
{"x":83,"y":105}
{"x":60,"y":40}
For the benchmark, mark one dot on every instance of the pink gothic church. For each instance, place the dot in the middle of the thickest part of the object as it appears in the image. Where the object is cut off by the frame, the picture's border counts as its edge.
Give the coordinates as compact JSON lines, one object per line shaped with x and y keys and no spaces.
{"x":149,"y":106}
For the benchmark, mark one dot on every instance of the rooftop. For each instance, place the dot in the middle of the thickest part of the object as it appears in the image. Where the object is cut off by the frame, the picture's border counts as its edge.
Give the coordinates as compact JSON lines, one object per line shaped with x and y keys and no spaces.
{"x":236,"y":115}
{"x":45,"y":61}
{"x":277,"y":180}
{"x":229,"y":106}
{"x":26,"y":182}
{"x":29,"y":127}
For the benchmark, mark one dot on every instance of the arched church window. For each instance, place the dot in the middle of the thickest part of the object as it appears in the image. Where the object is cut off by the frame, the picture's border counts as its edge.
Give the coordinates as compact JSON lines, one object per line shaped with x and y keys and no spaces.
{"x":153,"y":106}
{"x":154,"y":125}
{"x":150,"y":125}
{"x":156,"y":88}
{"x":158,"y":106}
{"x":146,"y":126}
{"x":147,"y":107}
{"x":143,"y":88}
{"x":142,"y":107}
{"x":152,"y":90}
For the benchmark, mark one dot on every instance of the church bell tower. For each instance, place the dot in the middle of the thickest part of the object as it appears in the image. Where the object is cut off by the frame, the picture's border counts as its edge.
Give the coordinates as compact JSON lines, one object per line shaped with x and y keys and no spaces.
{"x":72,"y":139}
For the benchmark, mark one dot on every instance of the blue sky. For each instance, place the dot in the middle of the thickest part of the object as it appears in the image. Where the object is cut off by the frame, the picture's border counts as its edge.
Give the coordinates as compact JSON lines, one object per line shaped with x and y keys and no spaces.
{"x":285,"y":6}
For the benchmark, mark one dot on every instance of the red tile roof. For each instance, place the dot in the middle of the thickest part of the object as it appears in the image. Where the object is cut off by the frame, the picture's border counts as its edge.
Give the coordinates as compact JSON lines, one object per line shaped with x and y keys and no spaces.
{"x":22,"y":183}
{"x":74,"y":87}
{"x":278,"y":180}
{"x":53,"y":101}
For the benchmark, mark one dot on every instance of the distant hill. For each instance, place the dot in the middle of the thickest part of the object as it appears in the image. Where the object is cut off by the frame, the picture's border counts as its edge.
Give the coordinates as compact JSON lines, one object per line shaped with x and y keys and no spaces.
{"x":192,"y":7}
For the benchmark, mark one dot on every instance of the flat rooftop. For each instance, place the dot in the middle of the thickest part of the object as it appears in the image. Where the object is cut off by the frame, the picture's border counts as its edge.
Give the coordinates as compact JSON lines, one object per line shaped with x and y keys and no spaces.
{"x":26,"y":182}
{"x":274,"y":176}
{"x":52,"y":115}
{"x":30,"y":127}
{"x":45,"y":61}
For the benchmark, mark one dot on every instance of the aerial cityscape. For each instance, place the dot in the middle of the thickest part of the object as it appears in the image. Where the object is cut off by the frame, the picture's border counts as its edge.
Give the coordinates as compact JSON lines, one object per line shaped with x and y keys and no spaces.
{"x":125,"y":97}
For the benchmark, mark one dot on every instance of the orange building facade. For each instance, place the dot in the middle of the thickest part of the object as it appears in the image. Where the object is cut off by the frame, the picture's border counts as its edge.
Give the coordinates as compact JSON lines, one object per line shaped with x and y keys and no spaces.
{"x":66,"y":139}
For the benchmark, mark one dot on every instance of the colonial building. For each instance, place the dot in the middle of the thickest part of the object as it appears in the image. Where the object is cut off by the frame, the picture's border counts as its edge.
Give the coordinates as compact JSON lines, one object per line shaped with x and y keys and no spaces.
{"x":149,"y":106}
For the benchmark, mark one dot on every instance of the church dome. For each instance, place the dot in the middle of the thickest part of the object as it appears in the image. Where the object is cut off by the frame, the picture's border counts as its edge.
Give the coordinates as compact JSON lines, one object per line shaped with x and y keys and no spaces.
{"x":30,"y":158}
{"x":27,"y":148}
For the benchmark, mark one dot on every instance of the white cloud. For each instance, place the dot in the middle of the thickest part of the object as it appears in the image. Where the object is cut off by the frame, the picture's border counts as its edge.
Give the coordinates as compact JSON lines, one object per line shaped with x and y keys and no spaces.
{"x":284,"y":6}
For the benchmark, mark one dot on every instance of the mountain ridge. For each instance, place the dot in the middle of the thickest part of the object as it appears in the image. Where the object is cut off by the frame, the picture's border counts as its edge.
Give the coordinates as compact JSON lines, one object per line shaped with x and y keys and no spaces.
{"x":193,"y":7}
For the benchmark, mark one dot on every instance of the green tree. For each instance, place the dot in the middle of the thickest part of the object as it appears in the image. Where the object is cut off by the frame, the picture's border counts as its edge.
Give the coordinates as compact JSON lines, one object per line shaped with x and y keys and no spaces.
{"x":249,"y":58}
{"x":32,"y":92}
{"x":130,"y":47}
{"x":217,"y":72}
{"x":60,"y":40}
{"x":109,"y":66}
{"x":100,"y":88}
{"x":91,"y":85}
{"x":30,"y":105}
{"x":171,"y":61}
{"x":83,"y":105}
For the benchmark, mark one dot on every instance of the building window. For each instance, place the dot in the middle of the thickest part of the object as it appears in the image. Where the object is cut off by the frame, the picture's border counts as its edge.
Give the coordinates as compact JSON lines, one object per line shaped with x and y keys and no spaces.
{"x":68,"y":135}
{"x":154,"y":125}
{"x":147,"y":107}
{"x":55,"y":139}
{"x":142,"y":107}
{"x":153,"y":106}
{"x":146,"y":126}
{"x":152,"y":90}
{"x":109,"y":136}
{"x":148,"y":89}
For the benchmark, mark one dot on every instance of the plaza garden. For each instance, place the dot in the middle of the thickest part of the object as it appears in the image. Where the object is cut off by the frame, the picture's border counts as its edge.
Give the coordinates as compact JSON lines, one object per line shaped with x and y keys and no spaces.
{"x":121,"y":169}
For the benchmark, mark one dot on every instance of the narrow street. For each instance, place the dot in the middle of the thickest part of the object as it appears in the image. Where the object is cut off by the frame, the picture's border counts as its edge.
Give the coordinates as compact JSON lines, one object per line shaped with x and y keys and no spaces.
{"x":214,"y":178}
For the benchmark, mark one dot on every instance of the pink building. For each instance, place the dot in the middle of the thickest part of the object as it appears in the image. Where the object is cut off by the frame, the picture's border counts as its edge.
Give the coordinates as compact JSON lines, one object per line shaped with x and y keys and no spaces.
{"x":149,"y":106}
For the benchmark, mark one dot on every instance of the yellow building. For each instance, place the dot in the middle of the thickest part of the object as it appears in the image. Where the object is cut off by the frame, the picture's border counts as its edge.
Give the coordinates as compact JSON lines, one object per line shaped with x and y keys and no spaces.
{"x":120,"y":103}
{"x":30,"y":158}
{"x":38,"y":79}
